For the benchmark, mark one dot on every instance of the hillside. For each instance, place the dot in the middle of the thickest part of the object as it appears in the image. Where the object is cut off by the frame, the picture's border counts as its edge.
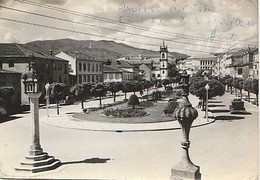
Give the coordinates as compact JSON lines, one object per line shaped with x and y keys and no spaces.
{"x":97,"y":49}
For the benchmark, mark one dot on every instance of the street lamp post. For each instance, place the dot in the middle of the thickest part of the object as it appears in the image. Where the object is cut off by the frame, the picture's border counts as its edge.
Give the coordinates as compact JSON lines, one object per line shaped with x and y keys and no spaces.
{"x":185,"y":114}
{"x":37,"y":160}
{"x":207,"y":100}
{"x":47,"y":88}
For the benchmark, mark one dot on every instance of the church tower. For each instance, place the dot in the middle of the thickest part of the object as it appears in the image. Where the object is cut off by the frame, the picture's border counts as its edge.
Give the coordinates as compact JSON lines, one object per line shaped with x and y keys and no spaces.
{"x":163,"y":61}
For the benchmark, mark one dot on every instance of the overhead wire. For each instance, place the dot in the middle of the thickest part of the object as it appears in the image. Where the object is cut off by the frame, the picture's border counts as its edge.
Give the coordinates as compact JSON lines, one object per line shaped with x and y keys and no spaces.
{"x":100,"y":36}
{"x":135,"y":26}
{"x":109,"y":29}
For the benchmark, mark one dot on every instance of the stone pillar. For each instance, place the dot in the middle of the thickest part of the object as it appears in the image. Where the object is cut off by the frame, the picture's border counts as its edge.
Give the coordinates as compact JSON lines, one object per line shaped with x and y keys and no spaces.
{"x":34,"y":104}
{"x":185,"y":114}
{"x":37,"y":160}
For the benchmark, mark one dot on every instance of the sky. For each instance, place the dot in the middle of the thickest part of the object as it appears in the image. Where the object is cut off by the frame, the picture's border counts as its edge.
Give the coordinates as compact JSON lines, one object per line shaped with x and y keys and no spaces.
{"x":193,"y":27}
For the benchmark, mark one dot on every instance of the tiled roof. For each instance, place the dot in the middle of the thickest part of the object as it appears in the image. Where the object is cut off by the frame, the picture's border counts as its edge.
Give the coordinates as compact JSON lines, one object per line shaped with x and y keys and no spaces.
{"x":240,"y":53}
{"x":18,"y":50}
{"x":15,"y":50}
{"x":83,"y":56}
{"x":121,"y":64}
{"x":110,"y":69}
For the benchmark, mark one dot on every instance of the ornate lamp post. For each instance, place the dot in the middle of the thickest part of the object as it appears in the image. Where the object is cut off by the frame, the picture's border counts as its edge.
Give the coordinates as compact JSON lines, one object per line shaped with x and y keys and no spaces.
{"x":37,"y":160}
{"x":185,"y":114}
{"x":207,"y":100}
{"x":47,"y":88}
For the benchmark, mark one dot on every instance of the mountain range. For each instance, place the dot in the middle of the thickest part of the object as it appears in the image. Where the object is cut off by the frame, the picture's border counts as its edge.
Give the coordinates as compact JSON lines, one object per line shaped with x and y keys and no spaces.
{"x":102,"y":49}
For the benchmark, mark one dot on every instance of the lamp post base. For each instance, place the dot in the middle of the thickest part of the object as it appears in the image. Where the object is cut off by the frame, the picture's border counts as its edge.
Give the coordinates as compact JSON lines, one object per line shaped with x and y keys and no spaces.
{"x":184,"y":171}
{"x":38,"y":162}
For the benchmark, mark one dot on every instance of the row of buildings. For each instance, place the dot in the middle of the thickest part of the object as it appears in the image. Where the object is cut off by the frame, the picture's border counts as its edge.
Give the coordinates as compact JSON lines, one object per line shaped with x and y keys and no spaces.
{"x":76,"y":68}
{"x":242,"y":63}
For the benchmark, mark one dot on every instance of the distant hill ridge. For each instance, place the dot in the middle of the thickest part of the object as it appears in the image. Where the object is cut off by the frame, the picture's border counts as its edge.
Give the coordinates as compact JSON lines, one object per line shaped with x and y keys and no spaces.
{"x":102,"y":49}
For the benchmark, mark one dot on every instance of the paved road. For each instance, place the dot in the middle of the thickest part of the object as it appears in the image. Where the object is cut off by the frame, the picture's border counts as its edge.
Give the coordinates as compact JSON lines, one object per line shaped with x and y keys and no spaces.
{"x":226,"y":149}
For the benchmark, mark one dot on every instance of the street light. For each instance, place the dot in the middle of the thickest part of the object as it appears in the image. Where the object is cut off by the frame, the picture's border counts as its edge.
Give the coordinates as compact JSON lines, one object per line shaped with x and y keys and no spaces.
{"x":37,"y":160}
{"x":207,"y":99}
{"x":47,"y":88}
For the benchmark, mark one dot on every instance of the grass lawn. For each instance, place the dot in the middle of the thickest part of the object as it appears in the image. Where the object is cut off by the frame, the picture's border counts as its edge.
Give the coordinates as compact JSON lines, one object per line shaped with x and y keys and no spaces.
{"x":155,"y":115}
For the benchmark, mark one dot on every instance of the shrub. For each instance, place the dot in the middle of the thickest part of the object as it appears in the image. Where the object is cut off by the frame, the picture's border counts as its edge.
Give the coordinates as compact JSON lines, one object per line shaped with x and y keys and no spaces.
{"x":170,"y":107}
{"x":133,"y":101}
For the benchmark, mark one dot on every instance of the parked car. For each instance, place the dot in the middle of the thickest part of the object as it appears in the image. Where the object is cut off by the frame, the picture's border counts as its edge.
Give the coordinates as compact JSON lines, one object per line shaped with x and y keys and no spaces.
{"x":237,"y":106}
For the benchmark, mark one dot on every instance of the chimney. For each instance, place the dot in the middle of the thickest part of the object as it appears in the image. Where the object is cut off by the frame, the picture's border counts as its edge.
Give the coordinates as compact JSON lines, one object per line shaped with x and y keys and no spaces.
{"x":50,"y":52}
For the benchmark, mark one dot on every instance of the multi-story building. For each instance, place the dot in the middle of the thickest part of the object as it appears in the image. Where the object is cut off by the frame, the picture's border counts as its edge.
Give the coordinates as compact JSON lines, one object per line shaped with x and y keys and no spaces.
{"x":113,"y":74}
{"x":194,"y":64}
{"x":15,"y":57}
{"x":83,"y":69}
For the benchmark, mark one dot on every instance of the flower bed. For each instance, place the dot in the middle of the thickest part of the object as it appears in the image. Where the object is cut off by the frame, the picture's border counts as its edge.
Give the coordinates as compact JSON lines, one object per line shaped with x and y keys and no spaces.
{"x":125,"y":112}
{"x":146,"y":104}
{"x":103,"y":106}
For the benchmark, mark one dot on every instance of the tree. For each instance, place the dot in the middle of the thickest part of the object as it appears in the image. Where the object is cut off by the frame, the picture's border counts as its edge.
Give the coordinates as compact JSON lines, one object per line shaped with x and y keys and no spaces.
{"x":114,"y":87}
{"x":127,"y":85}
{"x":247,"y":87}
{"x":81,"y":91}
{"x":165,"y":82}
{"x":229,"y":82}
{"x":255,"y":89}
{"x":6,"y":92}
{"x":133,"y":101}
{"x":223,"y":80}
{"x":99,"y":90}
{"x":57,"y":92}
{"x":147,"y":84}
{"x":238,"y":84}
{"x":136,"y":86}
{"x":198,"y":89}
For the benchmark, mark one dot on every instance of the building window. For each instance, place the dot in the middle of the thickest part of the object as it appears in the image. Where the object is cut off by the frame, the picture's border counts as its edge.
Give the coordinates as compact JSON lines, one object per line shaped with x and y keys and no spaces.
{"x":96,"y":67}
{"x":65,"y":69}
{"x":80,"y":79}
{"x":163,"y":72}
{"x":59,"y":79}
{"x":80,"y":66}
{"x":116,"y":76}
{"x":158,"y":75}
{"x":88,"y":67}
{"x":239,"y":71}
{"x":1,"y":65}
{"x":100,"y":67}
{"x":97,"y":79}
{"x":88,"y":78}
{"x":110,"y":76}
{"x":84,"y":67}
{"x":93,"y":78}
{"x":85,"y":78}
{"x":11,"y":64}
{"x":163,"y":55}
{"x":65,"y":80}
